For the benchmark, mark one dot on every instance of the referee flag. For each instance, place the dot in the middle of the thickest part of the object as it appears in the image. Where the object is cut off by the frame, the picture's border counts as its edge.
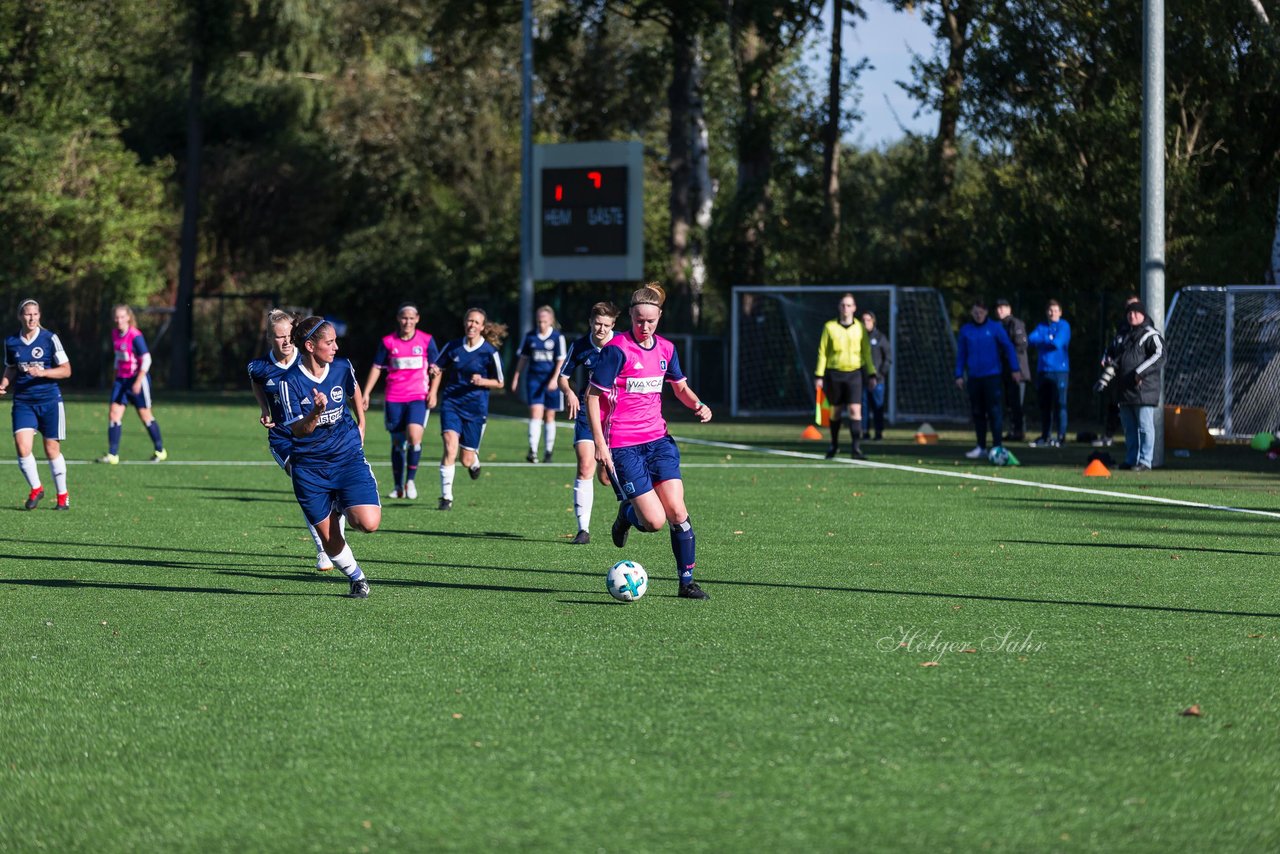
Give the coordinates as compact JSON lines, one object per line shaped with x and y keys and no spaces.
{"x":821,"y":415}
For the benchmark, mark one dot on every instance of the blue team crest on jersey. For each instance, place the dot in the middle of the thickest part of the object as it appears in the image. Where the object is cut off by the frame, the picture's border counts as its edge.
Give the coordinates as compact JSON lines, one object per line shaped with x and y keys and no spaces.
{"x":37,"y":352}
{"x":662,"y":364}
{"x":417,"y":349}
{"x":549,"y":344}
{"x":335,"y":394}
{"x":629,"y":488}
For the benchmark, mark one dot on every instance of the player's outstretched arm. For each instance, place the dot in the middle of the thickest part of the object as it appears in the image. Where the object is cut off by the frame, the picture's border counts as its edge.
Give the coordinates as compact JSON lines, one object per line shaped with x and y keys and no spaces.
{"x":369,"y":383}
{"x":685,"y":395}
{"x":515,"y":375}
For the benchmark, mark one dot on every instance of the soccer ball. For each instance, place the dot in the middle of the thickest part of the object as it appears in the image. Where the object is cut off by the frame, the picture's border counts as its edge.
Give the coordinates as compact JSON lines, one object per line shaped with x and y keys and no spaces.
{"x":998,"y":456}
{"x":627,"y":581}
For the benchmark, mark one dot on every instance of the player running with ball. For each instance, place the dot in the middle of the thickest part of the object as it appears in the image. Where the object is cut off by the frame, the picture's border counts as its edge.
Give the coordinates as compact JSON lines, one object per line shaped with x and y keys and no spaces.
{"x":624,"y":405}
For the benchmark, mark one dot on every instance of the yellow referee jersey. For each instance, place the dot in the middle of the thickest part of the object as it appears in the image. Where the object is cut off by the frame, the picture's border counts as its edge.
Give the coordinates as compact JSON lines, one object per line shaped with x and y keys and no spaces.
{"x":844,"y":348}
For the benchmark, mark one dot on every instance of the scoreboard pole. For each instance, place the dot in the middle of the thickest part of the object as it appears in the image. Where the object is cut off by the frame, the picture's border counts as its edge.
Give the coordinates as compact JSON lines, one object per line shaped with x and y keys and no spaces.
{"x":526,"y":174}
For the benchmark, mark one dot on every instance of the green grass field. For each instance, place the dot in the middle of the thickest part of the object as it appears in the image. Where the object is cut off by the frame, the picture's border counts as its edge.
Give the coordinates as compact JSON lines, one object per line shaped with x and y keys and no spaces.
{"x":177,"y":677}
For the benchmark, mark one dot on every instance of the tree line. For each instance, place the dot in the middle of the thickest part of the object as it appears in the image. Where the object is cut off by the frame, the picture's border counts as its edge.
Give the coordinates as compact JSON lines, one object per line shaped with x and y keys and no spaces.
{"x":349,"y":155}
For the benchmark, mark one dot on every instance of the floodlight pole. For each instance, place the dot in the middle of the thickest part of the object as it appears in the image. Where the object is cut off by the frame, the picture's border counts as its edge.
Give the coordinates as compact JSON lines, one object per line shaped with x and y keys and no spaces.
{"x":1153,"y":260}
{"x":526,"y":171}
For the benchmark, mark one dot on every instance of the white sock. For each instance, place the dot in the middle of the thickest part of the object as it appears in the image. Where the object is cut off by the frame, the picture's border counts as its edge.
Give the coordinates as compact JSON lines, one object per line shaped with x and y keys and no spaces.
{"x":346,"y":561}
{"x":583,"y":498}
{"x":535,"y":427}
{"x":315,"y":535}
{"x":446,"y":482}
{"x":29,"y":470}
{"x":59,"y":469}
{"x":342,"y":525}
{"x":549,"y":430}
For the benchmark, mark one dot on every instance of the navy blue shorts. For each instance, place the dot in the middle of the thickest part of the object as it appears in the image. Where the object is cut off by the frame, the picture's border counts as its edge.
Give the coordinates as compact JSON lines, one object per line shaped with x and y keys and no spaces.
{"x":535,"y":393}
{"x":639,"y":467}
{"x":48,"y":418}
{"x":582,"y":428}
{"x":320,"y":489}
{"x":122,"y":392}
{"x":456,"y":419}
{"x":398,"y":416}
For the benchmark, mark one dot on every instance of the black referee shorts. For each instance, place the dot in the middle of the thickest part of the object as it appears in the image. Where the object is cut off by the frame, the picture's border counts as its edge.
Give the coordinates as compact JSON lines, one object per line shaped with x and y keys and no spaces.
{"x":842,"y":388}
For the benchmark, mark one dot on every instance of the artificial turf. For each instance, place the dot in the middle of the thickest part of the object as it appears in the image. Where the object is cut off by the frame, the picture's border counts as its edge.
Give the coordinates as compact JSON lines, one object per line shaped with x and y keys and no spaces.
{"x":891,"y":659}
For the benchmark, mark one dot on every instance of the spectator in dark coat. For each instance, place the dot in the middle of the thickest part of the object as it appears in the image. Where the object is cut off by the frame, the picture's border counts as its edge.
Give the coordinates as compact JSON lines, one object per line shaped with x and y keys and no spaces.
{"x":873,"y":399}
{"x":1015,"y":393}
{"x":1138,"y":358}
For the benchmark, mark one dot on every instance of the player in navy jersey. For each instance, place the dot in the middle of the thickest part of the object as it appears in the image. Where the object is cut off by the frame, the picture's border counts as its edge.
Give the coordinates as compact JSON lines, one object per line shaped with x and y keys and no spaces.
{"x":542,"y":352}
{"x":265,"y":375}
{"x":584,"y":353}
{"x":34,"y":361}
{"x":624,"y":404}
{"x":470,"y":368}
{"x":331,"y":477}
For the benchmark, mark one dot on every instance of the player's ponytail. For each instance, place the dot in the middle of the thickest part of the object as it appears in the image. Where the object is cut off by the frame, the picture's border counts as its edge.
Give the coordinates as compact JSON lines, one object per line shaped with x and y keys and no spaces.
{"x":494,"y":333}
{"x":650,"y":294}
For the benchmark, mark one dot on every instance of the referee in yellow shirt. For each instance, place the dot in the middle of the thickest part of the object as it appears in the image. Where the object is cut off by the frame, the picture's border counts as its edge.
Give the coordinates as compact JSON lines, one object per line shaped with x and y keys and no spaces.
{"x":844,"y":358}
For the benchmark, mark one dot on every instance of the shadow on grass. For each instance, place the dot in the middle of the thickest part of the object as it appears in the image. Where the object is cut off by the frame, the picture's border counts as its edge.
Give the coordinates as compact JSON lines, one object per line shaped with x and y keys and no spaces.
{"x":466,"y":535}
{"x":1131,"y":508}
{"x":607,"y":602}
{"x":234,"y":489}
{"x":72,"y":584}
{"x":383,"y":581}
{"x":1142,"y":546}
{"x":506,"y":588}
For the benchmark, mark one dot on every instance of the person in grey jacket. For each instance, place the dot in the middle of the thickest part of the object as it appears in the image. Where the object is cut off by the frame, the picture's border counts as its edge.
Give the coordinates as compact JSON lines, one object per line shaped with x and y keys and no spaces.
{"x":1137,"y":358}
{"x":873,"y":399}
{"x":1015,"y":393}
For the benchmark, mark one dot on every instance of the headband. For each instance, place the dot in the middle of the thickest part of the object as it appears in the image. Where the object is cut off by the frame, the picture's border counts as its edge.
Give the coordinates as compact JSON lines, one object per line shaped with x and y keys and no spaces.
{"x":314,"y":329}
{"x":27,"y":302}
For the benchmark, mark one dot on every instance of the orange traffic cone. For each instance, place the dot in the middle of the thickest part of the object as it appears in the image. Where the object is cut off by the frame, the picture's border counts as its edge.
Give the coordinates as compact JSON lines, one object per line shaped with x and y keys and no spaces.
{"x":811,"y":432}
{"x":1096,"y":469}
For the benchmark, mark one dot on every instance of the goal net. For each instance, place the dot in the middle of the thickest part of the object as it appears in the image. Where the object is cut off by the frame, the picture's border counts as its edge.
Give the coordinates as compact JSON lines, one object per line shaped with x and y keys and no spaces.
{"x":1224,"y":356}
{"x":774,"y":349}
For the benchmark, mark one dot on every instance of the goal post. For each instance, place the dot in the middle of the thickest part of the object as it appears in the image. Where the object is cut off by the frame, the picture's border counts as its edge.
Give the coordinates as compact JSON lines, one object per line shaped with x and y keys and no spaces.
{"x":774,"y":336}
{"x":1224,"y":356}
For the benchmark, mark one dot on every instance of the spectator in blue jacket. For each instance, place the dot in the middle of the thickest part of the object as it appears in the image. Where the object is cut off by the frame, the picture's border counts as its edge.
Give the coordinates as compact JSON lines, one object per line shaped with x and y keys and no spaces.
{"x":1050,"y":340}
{"x":983,"y":350}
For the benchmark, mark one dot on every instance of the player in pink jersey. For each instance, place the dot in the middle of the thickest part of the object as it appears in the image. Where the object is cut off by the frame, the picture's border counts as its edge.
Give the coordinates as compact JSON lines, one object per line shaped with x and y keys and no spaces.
{"x":407,"y":356}
{"x":132,"y":385}
{"x":624,"y":405}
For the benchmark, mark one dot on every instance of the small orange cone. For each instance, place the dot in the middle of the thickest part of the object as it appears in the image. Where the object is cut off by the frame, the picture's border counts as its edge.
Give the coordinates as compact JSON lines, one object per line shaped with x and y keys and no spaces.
{"x":926,"y":435}
{"x":1096,"y":469}
{"x":811,"y":432}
